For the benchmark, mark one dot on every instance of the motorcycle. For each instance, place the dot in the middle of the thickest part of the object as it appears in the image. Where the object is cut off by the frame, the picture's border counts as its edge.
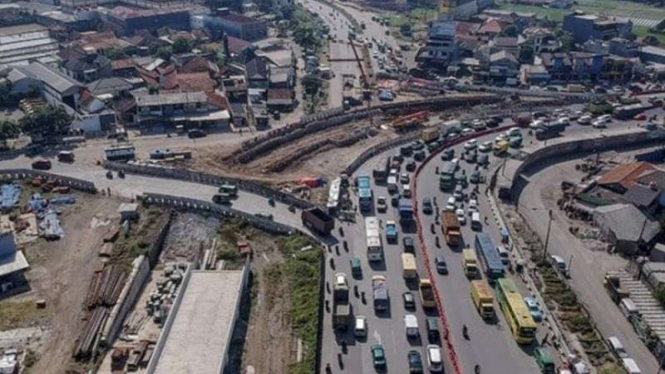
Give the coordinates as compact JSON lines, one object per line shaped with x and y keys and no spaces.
{"x":328,"y":369}
{"x":436,"y":170}
{"x":292,"y":209}
{"x":109,"y":175}
{"x":332,"y":263}
{"x":477,"y":369}
{"x":436,"y":239}
{"x":121,"y":174}
{"x":271,"y":202}
{"x":346,"y":246}
{"x":465,"y":332}
{"x":341,"y":231}
{"x":339,"y":360}
{"x":355,"y":290}
{"x":362,"y":297}
{"x":431,"y":227}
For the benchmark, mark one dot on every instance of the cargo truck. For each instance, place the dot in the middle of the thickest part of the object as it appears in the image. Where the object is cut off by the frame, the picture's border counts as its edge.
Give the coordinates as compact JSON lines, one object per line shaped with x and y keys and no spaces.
{"x":381,"y":174}
{"x":409,"y":269}
{"x":451,"y":228}
{"x":470,"y":262}
{"x":405,"y":208}
{"x":317,"y":220}
{"x":482,"y":297}
{"x":391,"y":231}
{"x":341,"y":315}
{"x":613,"y":285}
{"x":426,"y":294}
{"x":550,"y":130}
{"x":380,"y":292}
{"x":430,"y":135}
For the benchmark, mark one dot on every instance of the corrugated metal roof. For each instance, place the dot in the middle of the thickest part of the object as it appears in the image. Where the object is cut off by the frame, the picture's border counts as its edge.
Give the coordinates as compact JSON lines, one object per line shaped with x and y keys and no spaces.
{"x":171,"y":98}
{"x":627,"y":222}
{"x":50,"y":77}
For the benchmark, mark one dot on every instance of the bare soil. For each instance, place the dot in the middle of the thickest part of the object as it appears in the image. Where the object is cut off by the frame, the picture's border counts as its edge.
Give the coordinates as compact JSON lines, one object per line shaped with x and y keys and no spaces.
{"x":60,"y":273}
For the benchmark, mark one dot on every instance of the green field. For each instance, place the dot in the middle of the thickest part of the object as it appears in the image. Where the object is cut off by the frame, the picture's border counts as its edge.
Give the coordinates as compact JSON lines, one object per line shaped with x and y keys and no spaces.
{"x":607,"y":7}
{"x":418,"y":16}
{"x":644,"y":31}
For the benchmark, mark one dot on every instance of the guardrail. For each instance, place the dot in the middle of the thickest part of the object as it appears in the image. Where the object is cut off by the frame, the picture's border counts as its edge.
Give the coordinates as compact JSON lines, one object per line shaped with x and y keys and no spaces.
{"x":209,"y":179}
{"x":379,"y":148}
{"x":77,"y":184}
{"x":577,"y":96}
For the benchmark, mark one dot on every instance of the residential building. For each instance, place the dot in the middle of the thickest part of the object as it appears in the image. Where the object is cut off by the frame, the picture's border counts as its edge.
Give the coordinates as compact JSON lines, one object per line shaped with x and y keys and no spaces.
{"x":503,"y":66}
{"x":589,"y":26}
{"x":543,"y":40}
{"x":112,"y":87}
{"x":623,"y":48}
{"x":189,"y":109}
{"x":280,"y":99}
{"x":622,"y":177}
{"x":651,"y":54}
{"x":12,"y":261}
{"x":87,"y":67}
{"x":257,"y":73}
{"x":626,"y":228}
{"x":23,"y":44}
{"x":239,"y":26}
{"x":83,"y":20}
{"x":441,"y":48}
{"x":534,"y":74}
{"x":502,"y":43}
{"x":587,"y":67}
{"x":128,"y":19}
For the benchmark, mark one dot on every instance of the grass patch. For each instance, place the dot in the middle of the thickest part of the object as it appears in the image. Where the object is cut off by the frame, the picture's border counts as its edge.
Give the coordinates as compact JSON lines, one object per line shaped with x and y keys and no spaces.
{"x":642,"y":31}
{"x":19,"y":314}
{"x":302,"y":272}
{"x":273,"y":274}
{"x":608,"y":7}
{"x":418,"y":16}
{"x":610,"y":368}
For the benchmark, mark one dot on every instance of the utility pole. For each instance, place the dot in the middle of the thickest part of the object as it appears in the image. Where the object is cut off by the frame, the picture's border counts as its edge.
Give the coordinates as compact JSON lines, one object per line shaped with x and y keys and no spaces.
{"x":547,"y":237}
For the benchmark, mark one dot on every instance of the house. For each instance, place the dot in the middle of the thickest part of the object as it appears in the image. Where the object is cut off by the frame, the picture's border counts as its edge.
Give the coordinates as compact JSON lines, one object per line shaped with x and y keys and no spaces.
{"x":543,"y":40}
{"x":124,"y":68}
{"x":623,"y":48}
{"x":281,"y":77}
{"x":646,"y":198}
{"x":241,"y":27}
{"x":257,"y":73}
{"x":128,"y":212}
{"x":189,"y":109}
{"x":128,"y":18}
{"x":534,"y":74}
{"x":101,"y":42}
{"x":57,"y":19}
{"x":491,"y":27}
{"x":622,"y":177}
{"x":280,"y":99}
{"x":195,"y":82}
{"x":651,"y":54}
{"x":12,"y":261}
{"x":503,"y":43}
{"x":587,"y":67}
{"x":503,"y":66}
{"x":87,"y":67}
{"x":589,"y":26}
{"x":112,"y":87}
{"x":441,"y":47}
{"x":626,"y":227}
{"x":23,"y":44}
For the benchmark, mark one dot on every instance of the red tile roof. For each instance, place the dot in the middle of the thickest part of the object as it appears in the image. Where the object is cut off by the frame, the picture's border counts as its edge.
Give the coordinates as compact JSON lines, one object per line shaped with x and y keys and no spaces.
{"x":217,"y":100}
{"x":195,"y":82}
{"x":626,"y":175}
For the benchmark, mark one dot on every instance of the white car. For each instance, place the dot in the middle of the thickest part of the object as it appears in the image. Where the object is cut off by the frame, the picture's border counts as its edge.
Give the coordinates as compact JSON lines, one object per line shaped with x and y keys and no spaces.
{"x":536,"y":124}
{"x":455,"y":162}
{"x":598,"y":124}
{"x":585,"y":120}
{"x":467,"y":131}
{"x":452,"y":136}
{"x":485,"y":147}
{"x":513,"y":132}
{"x":500,"y":138}
{"x":471,"y":144}
{"x":460,"y":216}
{"x":450,"y":208}
{"x":340,"y":281}
{"x":452,"y":200}
{"x":473,"y":206}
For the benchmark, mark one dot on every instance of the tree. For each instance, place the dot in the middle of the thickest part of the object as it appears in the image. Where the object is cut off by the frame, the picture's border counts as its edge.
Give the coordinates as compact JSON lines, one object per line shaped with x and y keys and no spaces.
{"x":511,"y":31}
{"x":286,"y":12}
{"x":164,"y":53}
{"x":47,"y":123}
{"x":311,"y":84}
{"x":650,"y":40}
{"x":527,"y":51}
{"x":305,"y":35}
{"x":6,"y":96}
{"x":114,"y":54}
{"x":566,"y":40}
{"x":181,"y":45}
{"x":8,"y":129}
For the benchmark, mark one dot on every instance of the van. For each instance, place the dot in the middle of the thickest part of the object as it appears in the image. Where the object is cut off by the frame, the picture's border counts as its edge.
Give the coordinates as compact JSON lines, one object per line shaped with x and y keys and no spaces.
{"x":631,"y":366}
{"x":628,"y":307}
{"x":406,"y":191}
{"x":434,"y":358}
{"x":559,"y":265}
{"x":504,"y":254}
{"x":360,"y":330}
{"x":432,"y":325}
{"x":617,"y":347}
{"x":459,"y":192}
{"x":475,"y":221}
{"x":515,"y":131}
{"x":411,"y":326}
{"x":544,"y":361}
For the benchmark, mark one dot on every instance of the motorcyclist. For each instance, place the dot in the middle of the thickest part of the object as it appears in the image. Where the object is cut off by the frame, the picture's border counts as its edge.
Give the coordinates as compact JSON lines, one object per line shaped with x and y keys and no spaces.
{"x":477,"y":369}
{"x":465,"y":331}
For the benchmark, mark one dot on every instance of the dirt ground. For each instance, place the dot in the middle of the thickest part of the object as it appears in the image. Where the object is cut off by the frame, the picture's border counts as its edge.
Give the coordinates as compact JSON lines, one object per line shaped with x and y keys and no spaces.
{"x":60,"y":273}
{"x":327,"y":161}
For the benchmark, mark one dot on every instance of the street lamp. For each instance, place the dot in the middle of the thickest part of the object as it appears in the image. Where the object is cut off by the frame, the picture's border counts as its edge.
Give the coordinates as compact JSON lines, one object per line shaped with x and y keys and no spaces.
{"x":547,"y":236}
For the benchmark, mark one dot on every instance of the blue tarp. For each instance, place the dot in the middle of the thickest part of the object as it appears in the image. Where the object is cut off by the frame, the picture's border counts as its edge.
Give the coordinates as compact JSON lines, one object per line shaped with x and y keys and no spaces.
{"x":10,"y":194}
{"x":50,"y":226}
{"x":63,"y":200}
{"x":37,"y":203}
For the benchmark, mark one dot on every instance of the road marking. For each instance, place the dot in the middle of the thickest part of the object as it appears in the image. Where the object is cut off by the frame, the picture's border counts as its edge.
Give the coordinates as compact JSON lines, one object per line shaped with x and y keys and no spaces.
{"x":377,"y":336}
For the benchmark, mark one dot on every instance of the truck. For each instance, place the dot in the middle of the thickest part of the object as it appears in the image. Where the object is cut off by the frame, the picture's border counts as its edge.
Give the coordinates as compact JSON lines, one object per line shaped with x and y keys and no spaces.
{"x":470,"y":262}
{"x":405,"y":208}
{"x":317,"y":220}
{"x":447,"y":178}
{"x":341,"y":315}
{"x":430,"y":135}
{"x":522,"y":120}
{"x":380,"y":293}
{"x":409,"y":269}
{"x":550,"y":130}
{"x":426,"y":294}
{"x":613,"y":284}
{"x":391,"y":231}
{"x":451,"y":228}
{"x":500,"y":147}
{"x":482,"y":297}
{"x":381,"y":174}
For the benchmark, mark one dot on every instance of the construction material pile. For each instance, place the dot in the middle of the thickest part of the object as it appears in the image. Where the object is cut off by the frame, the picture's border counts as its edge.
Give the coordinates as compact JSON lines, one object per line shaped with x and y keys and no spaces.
{"x":159,"y":303}
{"x":9,"y":195}
{"x":106,"y":286}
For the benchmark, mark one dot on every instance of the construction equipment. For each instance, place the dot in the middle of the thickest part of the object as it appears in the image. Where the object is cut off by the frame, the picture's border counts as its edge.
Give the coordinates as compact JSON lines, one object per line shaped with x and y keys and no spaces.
{"x":364,"y":81}
{"x":417,"y":118}
{"x":613,"y":285}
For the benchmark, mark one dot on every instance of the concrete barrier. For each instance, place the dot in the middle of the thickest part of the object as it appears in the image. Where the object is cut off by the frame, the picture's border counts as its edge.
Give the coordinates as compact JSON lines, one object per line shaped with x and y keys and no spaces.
{"x":76,"y":184}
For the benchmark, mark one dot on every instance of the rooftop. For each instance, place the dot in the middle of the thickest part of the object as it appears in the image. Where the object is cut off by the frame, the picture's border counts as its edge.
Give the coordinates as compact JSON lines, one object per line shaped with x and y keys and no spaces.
{"x":626,"y":174}
{"x":239,"y":18}
{"x":55,"y":79}
{"x":144,"y":99}
{"x":641,"y":196}
{"x":21,"y":29}
{"x":627,"y":222}
{"x":197,"y":340}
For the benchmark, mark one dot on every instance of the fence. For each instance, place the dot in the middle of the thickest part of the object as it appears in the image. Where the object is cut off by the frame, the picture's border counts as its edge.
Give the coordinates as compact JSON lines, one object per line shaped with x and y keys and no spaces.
{"x":577,"y":96}
{"x":77,"y":184}
{"x":209,"y":179}
{"x":377,"y":149}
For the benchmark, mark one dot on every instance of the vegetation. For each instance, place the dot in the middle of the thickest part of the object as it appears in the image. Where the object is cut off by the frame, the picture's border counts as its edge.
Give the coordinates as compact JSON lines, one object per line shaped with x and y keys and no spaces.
{"x":659,"y":294}
{"x":114,"y":54}
{"x":305,"y":29}
{"x":608,"y":7}
{"x":8,"y":130}
{"x":19,"y":314}
{"x":303,"y":273}
{"x":181,"y":45}
{"x":48,"y":123}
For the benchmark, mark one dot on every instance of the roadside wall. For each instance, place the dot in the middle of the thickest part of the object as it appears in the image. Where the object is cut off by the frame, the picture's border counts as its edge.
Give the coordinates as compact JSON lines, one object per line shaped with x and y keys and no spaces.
{"x":236,"y":313}
{"x":77,"y":184}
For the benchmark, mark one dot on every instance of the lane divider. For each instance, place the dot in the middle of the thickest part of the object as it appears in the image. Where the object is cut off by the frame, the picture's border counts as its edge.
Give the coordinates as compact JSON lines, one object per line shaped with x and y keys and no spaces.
{"x":452,"y":354}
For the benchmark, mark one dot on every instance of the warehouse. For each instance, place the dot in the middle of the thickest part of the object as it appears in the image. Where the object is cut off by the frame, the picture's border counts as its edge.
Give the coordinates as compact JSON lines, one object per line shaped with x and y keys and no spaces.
{"x":196,"y":335}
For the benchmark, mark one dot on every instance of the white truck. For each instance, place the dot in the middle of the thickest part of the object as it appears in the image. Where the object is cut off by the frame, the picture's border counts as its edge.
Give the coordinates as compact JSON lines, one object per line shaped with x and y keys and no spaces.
{"x":392,"y":185}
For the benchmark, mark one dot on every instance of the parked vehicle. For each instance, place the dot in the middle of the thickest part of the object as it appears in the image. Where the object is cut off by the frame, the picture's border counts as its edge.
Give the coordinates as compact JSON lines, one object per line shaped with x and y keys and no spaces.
{"x":222,"y":199}
{"x":317,"y":220}
{"x":434,"y":358}
{"x":66,"y":156}
{"x":409,"y":301}
{"x":41,"y":165}
{"x":534,"y":308}
{"x":617,"y":347}
{"x":432,"y":325}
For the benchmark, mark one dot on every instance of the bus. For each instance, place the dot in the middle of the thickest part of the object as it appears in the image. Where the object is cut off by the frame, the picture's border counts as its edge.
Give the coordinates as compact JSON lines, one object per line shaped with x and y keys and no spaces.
{"x":230,"y":189}
{"x":517,"y":314}
{"x":409,"y":266}
{"x":489,"y":257}
{"x":374,"y":248}
{"x":470,"y":262}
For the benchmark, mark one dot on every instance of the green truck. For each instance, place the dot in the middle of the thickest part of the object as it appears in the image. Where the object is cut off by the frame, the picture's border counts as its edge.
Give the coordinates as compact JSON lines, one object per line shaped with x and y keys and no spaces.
{"x":447,"y":178}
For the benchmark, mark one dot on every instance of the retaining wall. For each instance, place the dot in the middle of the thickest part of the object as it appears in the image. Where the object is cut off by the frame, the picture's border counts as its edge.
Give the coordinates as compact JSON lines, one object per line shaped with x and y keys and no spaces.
{"x":76,"y":184}
{"x":209,"y":179}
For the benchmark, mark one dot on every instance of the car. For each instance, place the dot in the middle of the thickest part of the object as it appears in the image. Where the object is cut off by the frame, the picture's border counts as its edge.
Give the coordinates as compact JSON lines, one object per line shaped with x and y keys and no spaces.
{"x":475,"y":177}
{"x":480,"y":126}
{"x":417,"y":145}
{"x":448,"y":154}
{"x":513,"y":132}
{"x":415,"y":362}
{"x":467,"y":131}
{"x":409,"y":300}
{"x":455,"y":162}
{"x":434,"y":358}
{"x":419,"y":156}
{"x":452,"y":200}
{"x":599,"y":124}
{"x":585,"y":120}
{"x":460,"y":216}
{"x":450,"y":208}
{"x":360,"y":330}
{"x":564,"y":120}
{"x":462,"y":180}
{"x":406,"y":151}
{"x":458,"y":194}
{"x":640,"y":117}
{"x":536,"y":124}
{"x":340,"y":280}
{"x":485,"y":147}
{"x":378,"y":356}
{"x":500,"y":138}
{"x":406,"y":191}
{"x":356,"y":268}
{"x":267,"y":216}
{"x":394,"y":201}
{"x":471,"y":157}
{"x":617,"y":347}
{"x":534,"y":308}
{"x":411,"y":166}
{"x":473,"y":206}
{"x":453,"y":136}
{"x":427,"y":206}
{"x":404,"y":178}
{"x":483,"y":160}
{"x":381,"y":204}
{"x":441,"y":266}
{"x":471,"y":144}
{"x":409,"y":245}
{"x":41,"y":165}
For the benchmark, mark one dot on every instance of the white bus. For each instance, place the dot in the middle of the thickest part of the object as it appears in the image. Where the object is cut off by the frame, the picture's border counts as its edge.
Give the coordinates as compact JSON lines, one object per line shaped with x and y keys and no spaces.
{"x":374,"y":248}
